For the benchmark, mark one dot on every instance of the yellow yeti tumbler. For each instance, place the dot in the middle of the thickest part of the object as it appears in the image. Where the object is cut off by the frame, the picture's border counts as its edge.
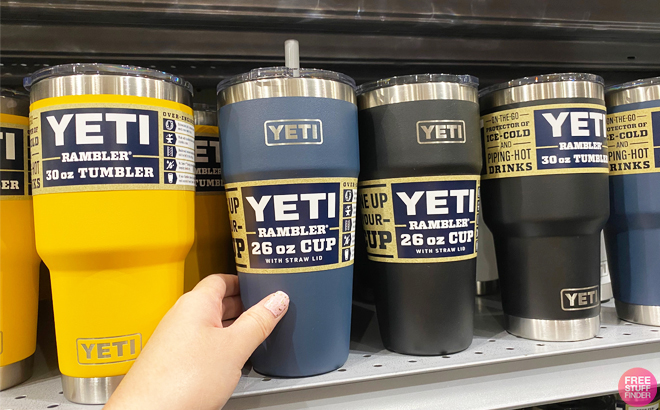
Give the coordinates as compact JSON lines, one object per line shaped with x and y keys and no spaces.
{"x":113,"y":177}
{"x":19,"y":262}
{"x":212,"y":251}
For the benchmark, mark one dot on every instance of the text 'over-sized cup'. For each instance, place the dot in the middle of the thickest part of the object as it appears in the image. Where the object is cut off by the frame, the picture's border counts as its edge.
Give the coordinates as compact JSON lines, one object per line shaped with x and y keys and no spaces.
{"x":545,"y":198}
{"x":212,"y":250}
{"x":113,"y":178}
{"x":420,"y":155}
{"x":19,"y":262}
{"x":633,"y":230}
{"x":290,"y":160}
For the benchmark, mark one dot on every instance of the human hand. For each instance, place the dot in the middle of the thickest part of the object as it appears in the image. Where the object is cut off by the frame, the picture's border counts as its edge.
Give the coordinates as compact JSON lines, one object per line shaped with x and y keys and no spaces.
{"x":194,"y":358}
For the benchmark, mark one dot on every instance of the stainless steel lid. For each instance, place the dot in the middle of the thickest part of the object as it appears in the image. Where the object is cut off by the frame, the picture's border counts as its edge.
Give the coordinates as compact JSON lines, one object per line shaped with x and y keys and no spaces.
{"x":542,"y":87}
{"x":286,"y":82}
{"x":637,"y":91}
{"x":95,"y":78}
{"x":14,"y":102}
{"x":205,"y":114}
{"x":418,"y":87}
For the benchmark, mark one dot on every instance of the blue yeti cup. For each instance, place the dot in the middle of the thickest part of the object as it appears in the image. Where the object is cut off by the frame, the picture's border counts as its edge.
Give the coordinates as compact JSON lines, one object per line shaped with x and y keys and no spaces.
{"x":632,"y":233}
{"x":290,"y":161}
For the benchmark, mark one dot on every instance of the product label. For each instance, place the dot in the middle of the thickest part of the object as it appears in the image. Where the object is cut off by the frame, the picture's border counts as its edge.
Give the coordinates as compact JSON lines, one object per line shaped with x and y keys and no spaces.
{"x":293,"y":225}
{"x":111,"y":142}
{"x":208,"y":177}
{"x":14,"y":160}
{"x":634,"y":141}
{"x":545,"y":140}
{"x":420,"y":219}
{"x":107,"y":350}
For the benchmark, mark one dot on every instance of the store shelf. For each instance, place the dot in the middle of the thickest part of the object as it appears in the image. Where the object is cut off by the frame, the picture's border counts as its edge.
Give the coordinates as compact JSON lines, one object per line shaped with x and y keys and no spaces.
{"x":498,"y":371}
{"x":207,"y":40}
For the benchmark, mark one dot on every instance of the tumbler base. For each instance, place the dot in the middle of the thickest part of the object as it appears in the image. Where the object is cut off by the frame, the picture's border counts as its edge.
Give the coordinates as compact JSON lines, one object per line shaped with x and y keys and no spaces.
{"x":553,"y":330}
{"x":16,"y":373}
{"x":487,"y":287}
{"x":642,"y":314}
{"x":89,"y":390}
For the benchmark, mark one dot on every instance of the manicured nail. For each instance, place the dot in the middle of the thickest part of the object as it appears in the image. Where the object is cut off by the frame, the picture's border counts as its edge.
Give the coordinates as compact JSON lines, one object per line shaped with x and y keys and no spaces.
{"x":277,"y":303}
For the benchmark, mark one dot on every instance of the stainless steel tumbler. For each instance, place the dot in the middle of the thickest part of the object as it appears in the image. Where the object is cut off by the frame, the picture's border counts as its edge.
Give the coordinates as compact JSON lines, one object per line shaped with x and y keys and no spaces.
{"x":545,"y":197}
{"x":633,"y":231}
{"x":290,"y":161}
{"x":420,"y":155}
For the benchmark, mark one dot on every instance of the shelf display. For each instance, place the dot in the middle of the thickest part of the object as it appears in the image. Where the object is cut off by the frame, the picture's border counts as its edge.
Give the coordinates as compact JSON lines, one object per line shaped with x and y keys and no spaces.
{"x":633,"y":230}
{"x":510,"y":372}
{"x":113,"y":183}
{"x":545,"y":198}
{"x":420,"y":158}
{"x":19,"y":263}
{"x":212,"y":251}
{"x":343,"y":363}
{"x":290,"y":161}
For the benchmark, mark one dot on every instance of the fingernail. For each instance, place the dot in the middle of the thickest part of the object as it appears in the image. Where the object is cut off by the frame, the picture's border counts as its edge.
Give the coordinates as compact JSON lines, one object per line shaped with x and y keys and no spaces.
{"x":277,"y":303}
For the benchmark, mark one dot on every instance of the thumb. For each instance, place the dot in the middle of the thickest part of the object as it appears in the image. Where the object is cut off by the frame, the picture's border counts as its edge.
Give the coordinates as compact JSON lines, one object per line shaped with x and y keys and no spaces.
{"x":255,"y":324}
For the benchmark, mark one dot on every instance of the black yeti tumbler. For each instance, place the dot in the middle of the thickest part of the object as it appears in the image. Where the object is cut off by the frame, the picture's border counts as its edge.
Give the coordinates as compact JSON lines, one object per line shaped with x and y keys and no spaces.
{"x":420,"y":155}
{"x":545,"y":198}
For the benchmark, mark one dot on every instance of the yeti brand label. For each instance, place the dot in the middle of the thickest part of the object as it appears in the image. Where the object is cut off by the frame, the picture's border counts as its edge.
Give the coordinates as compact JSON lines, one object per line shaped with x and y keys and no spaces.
{"x":440,"y":131}
{"x":107,"y":350}
{"x":208,"y":174}
{"x":14,"y":161}
{"x":293,"y":225}
{"x":580,"y":298}
{"x":545,"y":140}
{"x":633,"y":139}
{"x":291,"y":132}
{"x":420,"y":219}
{"x":100,"y":143}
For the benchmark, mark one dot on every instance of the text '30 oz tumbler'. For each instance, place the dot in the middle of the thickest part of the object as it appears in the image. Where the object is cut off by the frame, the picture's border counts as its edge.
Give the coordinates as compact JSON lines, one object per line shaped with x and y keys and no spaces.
{"x":290,"y":161}
{"x":419,"y":199}
{"x":633,"y":230}
{"x":545,"y":198}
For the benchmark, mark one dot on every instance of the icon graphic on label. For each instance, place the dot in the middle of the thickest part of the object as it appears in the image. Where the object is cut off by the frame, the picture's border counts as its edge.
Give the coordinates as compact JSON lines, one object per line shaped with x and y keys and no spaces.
{"x":348,"y":195}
